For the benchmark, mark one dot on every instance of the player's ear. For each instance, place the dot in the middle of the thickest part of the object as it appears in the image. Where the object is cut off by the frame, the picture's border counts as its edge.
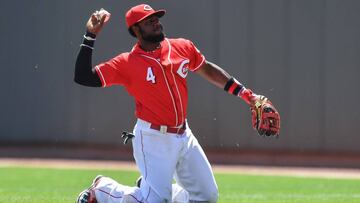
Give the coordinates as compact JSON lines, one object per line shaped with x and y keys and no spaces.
{"x":131,"y":31}
{"x":135,"y":30}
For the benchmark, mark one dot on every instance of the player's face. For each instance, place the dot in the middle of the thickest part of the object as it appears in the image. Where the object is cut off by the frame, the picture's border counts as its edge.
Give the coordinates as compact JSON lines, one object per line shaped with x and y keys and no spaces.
{"x":151,"y":29}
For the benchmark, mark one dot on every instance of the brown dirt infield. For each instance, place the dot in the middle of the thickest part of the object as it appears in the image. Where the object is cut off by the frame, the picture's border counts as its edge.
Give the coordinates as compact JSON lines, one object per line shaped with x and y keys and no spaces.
{"x":239,"y":169}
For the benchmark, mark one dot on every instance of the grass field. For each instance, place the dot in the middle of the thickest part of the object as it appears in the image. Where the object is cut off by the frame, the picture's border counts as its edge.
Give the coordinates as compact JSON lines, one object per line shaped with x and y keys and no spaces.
{"x":41,"y":185}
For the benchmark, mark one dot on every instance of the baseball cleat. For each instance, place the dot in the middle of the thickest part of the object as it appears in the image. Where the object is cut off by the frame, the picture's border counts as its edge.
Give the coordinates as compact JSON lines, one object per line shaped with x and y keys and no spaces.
{"x":88,"y":195}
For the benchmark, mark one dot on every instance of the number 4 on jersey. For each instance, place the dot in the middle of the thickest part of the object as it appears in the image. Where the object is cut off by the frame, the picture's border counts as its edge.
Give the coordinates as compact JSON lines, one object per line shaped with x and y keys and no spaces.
{"x":150,"y":75}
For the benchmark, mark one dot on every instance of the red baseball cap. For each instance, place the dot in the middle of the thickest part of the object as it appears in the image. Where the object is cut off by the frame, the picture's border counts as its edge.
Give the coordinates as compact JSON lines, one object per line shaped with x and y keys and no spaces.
{"x":140,"y":12}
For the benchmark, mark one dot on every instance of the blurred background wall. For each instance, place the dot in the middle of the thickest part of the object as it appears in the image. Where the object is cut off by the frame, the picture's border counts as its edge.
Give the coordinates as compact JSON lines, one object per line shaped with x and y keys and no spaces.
{"x":302,"y":54}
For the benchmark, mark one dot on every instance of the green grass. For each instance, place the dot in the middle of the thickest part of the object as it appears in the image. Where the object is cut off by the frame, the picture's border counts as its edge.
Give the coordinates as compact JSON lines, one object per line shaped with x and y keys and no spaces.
{"x":40,"y":185}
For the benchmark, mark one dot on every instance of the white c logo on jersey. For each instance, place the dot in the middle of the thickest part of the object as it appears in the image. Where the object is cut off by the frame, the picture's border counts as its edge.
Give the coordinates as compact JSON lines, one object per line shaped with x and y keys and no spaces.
{"x":183,"y":68}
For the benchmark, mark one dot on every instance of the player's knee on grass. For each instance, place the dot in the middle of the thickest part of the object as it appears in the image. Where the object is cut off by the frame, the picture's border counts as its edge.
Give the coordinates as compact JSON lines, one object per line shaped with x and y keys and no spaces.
{"x":209,"y":196}
{"x":212,"y":194}
{"x":212,"y":197}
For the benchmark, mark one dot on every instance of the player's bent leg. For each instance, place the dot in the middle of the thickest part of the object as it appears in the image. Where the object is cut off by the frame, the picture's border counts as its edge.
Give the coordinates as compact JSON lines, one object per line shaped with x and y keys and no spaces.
{"x":149,"y":194}
{"x":108,"y":190}
{"x":195,"y":175}
{"x":179,"y":194}
{"x":156,"y":155}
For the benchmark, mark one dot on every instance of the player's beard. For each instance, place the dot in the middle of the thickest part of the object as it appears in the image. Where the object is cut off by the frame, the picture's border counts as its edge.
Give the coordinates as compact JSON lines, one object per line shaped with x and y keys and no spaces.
{"x":152,"y":38}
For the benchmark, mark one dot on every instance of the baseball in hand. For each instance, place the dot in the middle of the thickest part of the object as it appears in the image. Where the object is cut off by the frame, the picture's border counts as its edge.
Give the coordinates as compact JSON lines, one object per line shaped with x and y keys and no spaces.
{"x":97,"y":21}
{"x":102,"y":13}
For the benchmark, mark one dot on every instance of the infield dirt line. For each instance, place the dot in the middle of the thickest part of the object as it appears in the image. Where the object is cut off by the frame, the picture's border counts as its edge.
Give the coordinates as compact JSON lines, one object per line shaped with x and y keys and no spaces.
{"x":239,"y":169}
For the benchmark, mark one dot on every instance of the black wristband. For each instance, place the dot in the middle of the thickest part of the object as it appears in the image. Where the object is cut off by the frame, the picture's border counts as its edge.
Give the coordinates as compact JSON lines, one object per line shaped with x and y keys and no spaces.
{"x":234,"y":87}
{"x":88,"y":43}
{"x":89,"y":34}
{"x":89,"y":40}
{"x":237,"y":89}
{"x":228,"y":84}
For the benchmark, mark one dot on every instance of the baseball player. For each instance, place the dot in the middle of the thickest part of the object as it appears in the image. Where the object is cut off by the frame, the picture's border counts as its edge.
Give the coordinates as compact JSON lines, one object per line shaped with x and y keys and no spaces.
{"x":154,"y":72}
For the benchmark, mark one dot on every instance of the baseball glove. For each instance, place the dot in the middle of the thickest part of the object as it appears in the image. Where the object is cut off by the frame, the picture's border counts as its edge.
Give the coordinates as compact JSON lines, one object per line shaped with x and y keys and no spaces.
{"x":265,"y":118}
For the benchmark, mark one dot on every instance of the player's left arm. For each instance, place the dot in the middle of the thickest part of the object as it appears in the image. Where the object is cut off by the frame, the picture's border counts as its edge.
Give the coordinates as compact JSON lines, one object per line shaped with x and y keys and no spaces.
{"x":214,"y":74}
{"x":265,"y":118}
{"x":220,"y":78}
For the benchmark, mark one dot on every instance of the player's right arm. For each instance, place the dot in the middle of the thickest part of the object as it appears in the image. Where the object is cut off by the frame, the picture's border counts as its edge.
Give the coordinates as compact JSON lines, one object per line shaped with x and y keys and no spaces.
{"x":85,"y":74}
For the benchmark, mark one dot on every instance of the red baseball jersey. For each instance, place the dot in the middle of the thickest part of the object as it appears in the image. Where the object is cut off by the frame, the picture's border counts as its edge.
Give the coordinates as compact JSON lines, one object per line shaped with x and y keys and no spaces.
{"x":156,"y":79}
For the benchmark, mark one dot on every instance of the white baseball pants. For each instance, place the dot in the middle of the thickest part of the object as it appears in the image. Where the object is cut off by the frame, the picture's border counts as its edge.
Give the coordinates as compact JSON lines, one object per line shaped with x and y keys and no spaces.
{"x":162,"y":157}
{"x":110,"y":191}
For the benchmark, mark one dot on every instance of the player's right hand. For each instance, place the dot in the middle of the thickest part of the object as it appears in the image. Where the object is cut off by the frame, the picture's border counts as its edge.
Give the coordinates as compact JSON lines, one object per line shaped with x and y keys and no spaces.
{"x":97,"y":20}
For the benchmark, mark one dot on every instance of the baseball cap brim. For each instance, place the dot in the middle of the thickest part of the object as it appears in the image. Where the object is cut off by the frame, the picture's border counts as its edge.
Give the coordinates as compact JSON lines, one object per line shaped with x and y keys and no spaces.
{"x":159,"y":13}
